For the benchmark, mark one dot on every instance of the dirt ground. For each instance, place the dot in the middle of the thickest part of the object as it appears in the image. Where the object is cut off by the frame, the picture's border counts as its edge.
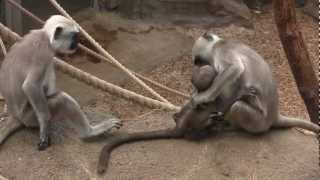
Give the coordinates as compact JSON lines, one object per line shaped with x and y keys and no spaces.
{"x":278,"y":155}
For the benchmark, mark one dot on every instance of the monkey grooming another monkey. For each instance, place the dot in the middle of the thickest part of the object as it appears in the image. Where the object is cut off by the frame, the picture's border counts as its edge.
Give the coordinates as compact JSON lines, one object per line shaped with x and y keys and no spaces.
{"x":27,"y":82}
{"x":244,"y":88}
{"x":241,"y":91}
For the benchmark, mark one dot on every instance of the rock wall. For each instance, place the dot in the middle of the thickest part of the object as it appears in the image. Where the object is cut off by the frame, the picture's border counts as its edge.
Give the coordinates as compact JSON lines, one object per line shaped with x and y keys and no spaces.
{"x":213,"y":12}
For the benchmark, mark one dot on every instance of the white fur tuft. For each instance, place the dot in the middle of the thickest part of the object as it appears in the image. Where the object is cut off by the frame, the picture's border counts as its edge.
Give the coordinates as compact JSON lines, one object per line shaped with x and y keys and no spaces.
{"x":50,"y":27}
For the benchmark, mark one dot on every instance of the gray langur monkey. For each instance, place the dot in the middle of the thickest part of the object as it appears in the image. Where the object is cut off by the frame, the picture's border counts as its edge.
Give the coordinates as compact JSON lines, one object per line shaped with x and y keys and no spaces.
{"x":28,"y":83}
{"x":233,"y":85}
{"x":244,"y":88}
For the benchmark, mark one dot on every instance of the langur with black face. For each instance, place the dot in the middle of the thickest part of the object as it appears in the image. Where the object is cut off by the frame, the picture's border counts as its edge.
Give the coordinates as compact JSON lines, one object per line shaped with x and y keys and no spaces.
{"x":28,"y":83}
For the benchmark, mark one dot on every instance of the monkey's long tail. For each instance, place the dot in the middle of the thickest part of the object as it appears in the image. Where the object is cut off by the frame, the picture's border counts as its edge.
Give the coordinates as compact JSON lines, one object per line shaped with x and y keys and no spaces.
{"x":133,"y":137}
{"x":284,"y":121}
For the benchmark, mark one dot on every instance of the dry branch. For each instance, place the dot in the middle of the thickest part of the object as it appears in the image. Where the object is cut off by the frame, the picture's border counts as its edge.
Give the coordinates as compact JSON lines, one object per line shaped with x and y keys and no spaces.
{"x":297,"y":54}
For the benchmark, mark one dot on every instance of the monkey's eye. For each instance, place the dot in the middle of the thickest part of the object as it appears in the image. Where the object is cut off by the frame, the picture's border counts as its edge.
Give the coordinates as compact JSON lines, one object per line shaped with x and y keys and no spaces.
{"x":58,"y":32}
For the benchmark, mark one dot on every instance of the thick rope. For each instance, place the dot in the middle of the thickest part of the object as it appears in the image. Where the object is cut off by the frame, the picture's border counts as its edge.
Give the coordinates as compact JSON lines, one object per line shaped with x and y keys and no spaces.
{"x":106,"y":54}
{"x":3,"y":178}
{"x":96,"y":82}
{"x":98,"y":56}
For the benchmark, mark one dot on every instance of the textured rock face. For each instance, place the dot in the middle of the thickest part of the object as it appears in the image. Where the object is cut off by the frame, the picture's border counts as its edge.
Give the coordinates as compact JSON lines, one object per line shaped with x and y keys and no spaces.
{"x":163,"y":8}
{"x":213,"y":12}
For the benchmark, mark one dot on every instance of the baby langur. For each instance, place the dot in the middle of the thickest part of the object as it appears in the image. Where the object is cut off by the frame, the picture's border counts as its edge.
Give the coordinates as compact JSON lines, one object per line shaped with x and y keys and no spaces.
{"x":28,"y":83}
{"x":202,"y":77}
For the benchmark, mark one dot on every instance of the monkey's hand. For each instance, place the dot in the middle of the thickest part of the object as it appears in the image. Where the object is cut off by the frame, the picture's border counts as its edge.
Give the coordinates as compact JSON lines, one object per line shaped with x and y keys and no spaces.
{"x":113,"y":123}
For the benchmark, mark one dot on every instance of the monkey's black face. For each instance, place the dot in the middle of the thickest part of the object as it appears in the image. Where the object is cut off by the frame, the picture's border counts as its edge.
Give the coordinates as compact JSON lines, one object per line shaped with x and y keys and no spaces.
{"x":201,"y":61}
{"x":74,"y":41}
{"x":65,"y":40}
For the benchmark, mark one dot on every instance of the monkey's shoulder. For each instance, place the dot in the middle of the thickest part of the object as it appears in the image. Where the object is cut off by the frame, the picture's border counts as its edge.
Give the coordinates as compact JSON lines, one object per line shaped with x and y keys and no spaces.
{"x":34,"y":46}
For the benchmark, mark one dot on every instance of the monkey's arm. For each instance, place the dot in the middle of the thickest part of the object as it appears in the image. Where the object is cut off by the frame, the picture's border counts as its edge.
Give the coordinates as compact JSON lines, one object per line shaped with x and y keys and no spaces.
{"x":32,"y":87}
{"x":223,"y":79}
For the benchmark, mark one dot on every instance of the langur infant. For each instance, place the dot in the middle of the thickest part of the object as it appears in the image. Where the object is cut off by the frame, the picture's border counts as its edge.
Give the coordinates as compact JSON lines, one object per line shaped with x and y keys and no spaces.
{"x":28,"y":83}
{"x":202,"y":77}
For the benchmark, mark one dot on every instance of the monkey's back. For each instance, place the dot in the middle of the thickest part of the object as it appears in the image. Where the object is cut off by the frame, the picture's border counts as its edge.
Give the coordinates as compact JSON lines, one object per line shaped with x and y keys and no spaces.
{"x":258,"y":75}
{"x":33,"y":51}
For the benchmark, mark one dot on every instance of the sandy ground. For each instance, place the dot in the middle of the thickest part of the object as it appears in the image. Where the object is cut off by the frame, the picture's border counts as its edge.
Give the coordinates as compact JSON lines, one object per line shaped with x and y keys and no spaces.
{"x":278,"y":155}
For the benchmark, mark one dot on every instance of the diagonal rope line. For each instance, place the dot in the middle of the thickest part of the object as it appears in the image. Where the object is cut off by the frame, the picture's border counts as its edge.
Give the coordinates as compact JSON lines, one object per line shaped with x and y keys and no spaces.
{"x":96,"y":82}
{"x":106,"y":54}
{"x":98,"y":56}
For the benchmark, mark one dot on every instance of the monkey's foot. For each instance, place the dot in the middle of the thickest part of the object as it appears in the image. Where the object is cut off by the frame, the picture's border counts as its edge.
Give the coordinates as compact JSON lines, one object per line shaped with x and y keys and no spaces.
{"x":113,"y":123}
{"x":43,"y":145}
{"x":116,"y":123}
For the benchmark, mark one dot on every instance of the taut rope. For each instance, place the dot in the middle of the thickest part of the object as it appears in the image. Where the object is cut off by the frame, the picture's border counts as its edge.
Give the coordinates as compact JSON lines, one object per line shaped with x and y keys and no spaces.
{"x":106,"y":54}
{"x":96,"y":82}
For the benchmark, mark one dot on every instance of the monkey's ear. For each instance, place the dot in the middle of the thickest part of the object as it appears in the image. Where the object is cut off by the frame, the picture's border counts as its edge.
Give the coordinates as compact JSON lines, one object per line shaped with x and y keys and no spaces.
{"x":57,"y":32}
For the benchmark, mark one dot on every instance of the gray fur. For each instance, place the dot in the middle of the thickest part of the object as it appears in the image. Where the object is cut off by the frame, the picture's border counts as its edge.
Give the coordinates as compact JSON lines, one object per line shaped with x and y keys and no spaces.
{"x":28,"y":84}
{"x":244,"y":88}
{"x":202,"y":77}
{"x":241,"y":91}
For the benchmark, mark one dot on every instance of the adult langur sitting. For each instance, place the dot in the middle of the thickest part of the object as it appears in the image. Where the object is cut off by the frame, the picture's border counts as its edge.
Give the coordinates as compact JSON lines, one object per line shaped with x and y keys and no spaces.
{"x":28,"y":83}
